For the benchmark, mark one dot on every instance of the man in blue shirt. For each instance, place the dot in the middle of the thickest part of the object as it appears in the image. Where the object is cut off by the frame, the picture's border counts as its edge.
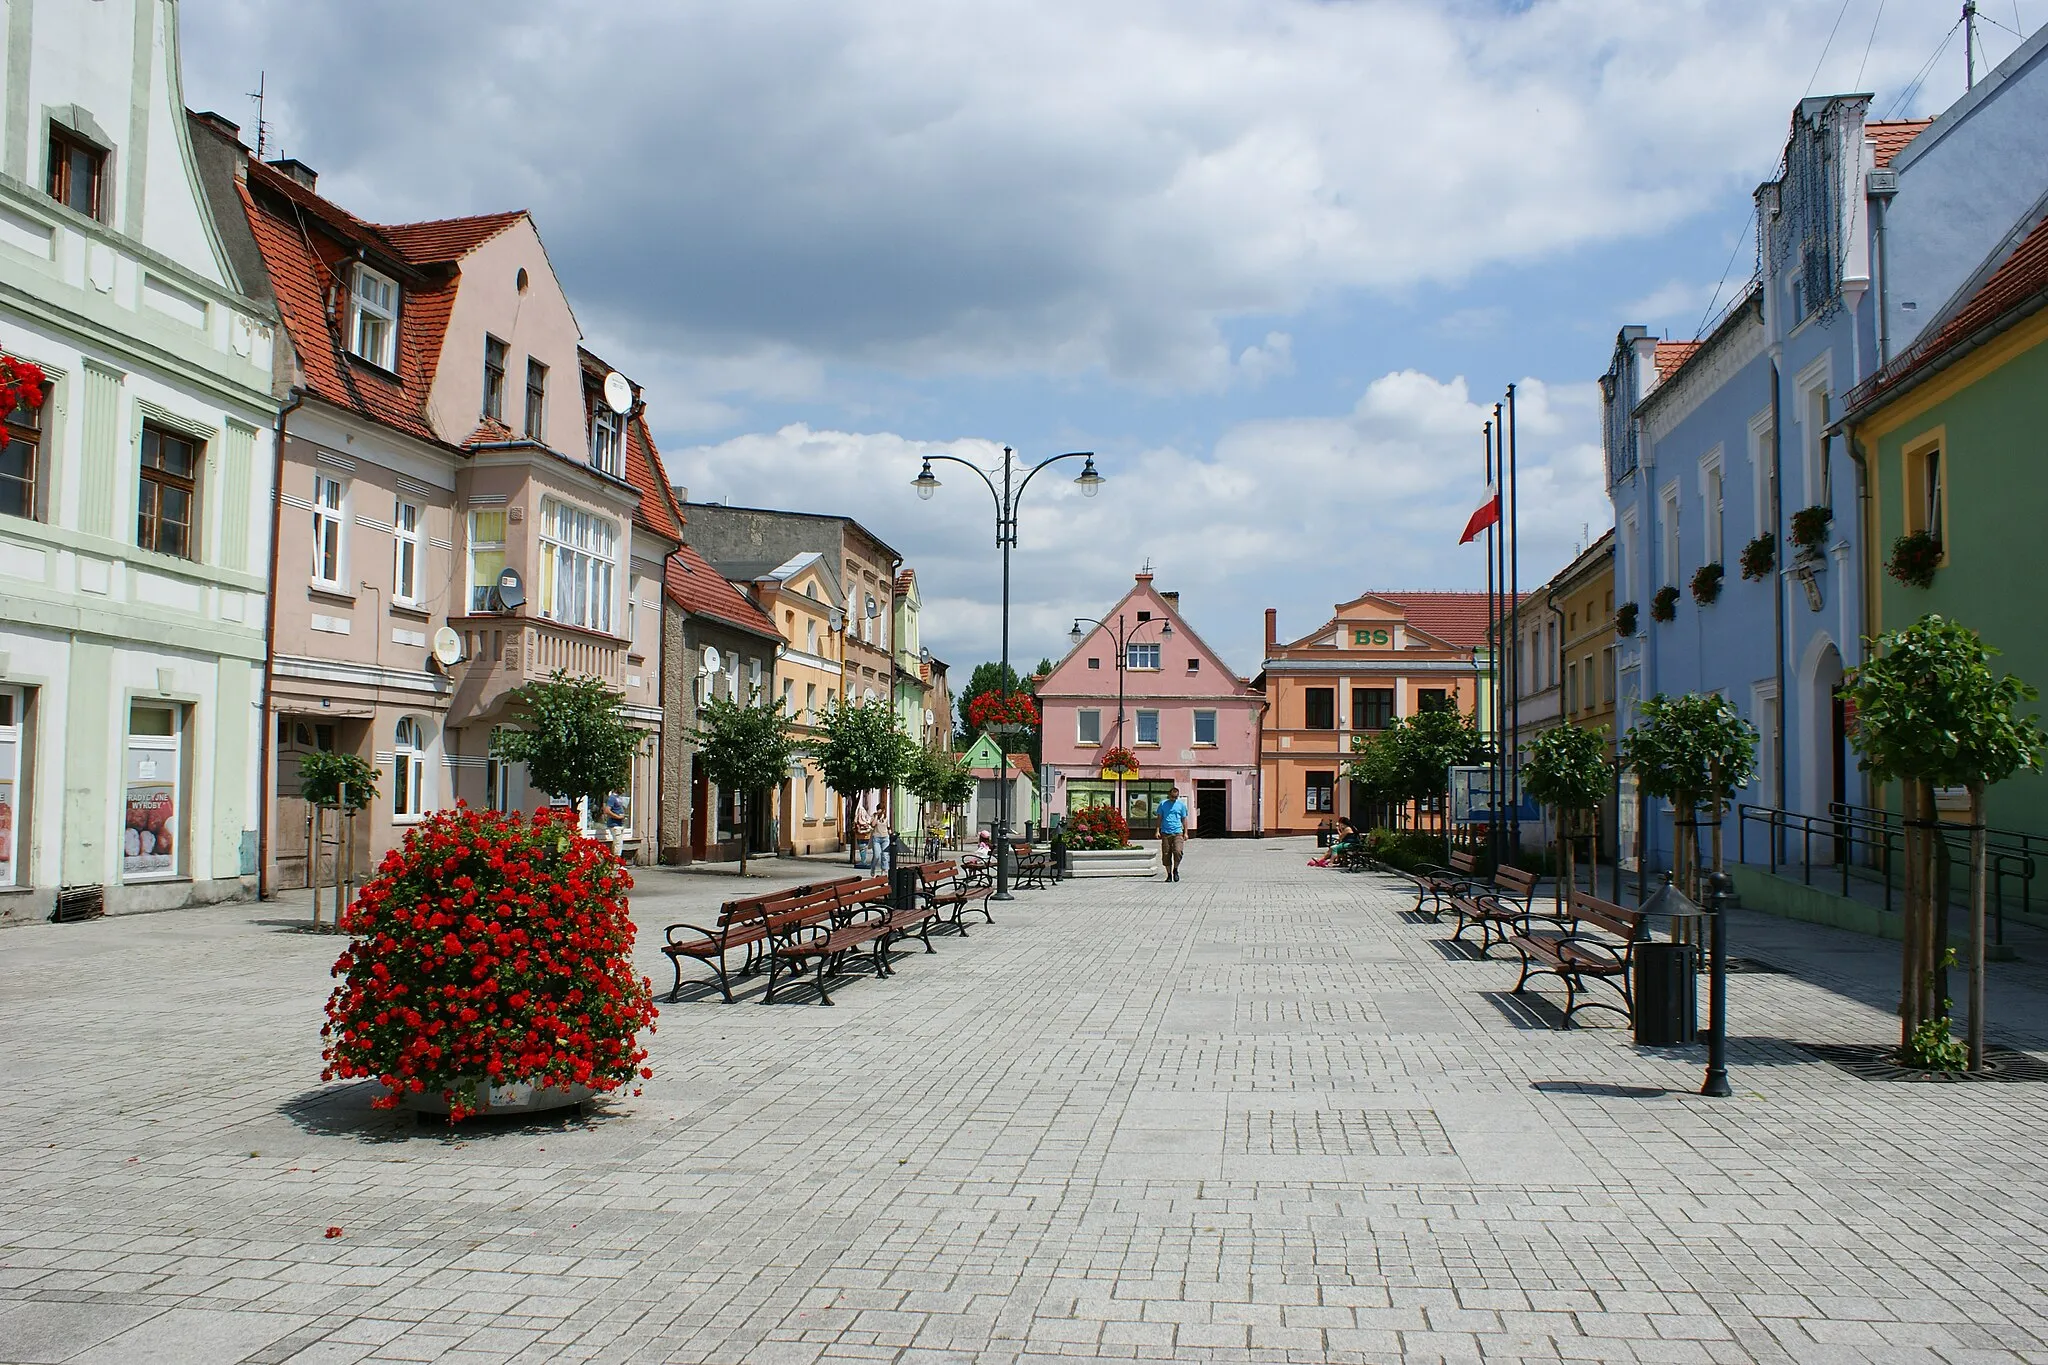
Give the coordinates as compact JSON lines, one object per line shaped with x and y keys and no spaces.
{"x":1173,"y":821}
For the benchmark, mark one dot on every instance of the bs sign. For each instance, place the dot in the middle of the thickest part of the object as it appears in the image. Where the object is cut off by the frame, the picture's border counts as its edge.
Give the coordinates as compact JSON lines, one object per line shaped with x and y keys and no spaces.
{"x":1370,"y":637}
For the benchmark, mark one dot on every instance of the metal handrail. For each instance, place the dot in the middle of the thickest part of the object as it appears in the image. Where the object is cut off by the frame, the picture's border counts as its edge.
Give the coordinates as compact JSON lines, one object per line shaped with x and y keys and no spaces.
{"x":1883,"y":835}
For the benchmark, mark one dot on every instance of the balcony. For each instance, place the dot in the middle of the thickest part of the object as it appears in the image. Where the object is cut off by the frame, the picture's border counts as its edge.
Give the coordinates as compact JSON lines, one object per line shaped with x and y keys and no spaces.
{"x":500,"y":653}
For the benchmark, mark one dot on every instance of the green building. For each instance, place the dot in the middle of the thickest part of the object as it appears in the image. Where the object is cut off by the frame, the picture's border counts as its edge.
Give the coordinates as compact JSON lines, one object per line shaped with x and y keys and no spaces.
{"x":1949,"y":435}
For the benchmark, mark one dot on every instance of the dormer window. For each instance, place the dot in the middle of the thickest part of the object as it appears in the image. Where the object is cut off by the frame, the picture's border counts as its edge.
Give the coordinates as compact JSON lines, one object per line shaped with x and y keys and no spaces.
{"x":373,"y":326}
{"x":607,"y":439}
{"x":76,"y":170}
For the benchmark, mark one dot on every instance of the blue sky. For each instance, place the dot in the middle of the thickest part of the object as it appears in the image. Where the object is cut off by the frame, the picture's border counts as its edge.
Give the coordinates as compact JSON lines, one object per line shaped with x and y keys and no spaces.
{"x":1274,"y":259}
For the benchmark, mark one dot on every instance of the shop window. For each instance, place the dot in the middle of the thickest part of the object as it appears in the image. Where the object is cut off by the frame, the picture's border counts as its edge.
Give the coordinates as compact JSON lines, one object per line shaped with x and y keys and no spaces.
{"x":1320,"y":793}
{"x":152,"y":837}
{"x":14,"y":744}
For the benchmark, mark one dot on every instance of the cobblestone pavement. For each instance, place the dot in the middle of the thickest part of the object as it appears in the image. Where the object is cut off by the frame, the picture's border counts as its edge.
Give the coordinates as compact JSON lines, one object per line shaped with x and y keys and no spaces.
{"x":1256,"y":1116}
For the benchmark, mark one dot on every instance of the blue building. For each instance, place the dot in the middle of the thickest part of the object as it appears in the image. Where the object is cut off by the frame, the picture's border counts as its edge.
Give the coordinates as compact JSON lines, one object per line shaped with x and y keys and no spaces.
{"x":1713,"y":446}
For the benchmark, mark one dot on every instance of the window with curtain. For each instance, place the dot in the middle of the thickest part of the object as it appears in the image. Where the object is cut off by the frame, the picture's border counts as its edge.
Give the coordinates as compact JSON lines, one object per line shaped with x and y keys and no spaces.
{"x":579,"y":553}
{"x":486,"y":555}
{"x":1148,"y":727}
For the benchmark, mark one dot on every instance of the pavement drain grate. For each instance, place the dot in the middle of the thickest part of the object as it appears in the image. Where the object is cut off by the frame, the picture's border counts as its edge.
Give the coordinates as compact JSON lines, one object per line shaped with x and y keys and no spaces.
{"x":1873,"y":1062}
{"x":1348,"y":1132}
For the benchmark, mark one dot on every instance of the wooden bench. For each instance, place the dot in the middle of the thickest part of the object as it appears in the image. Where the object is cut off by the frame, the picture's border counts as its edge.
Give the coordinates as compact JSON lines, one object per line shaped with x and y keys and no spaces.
{"x":1438,"y":884}
{"x":827,"y":930}
{"x":742,"y":925}
{"x":1594,"y":943}
{"x":1035,"y":868}
{"x":950,"y":890}
{"x":1495,"y":908}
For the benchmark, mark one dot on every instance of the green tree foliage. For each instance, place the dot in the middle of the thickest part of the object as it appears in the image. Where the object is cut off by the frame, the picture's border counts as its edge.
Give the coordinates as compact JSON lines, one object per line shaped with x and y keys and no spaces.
{"x":1691,"y":750}
{"x":860,"y":749}
{"x":1930,"y":712}
{"x":337,"y":781}
{"x":745,"y":748}
{"x":1566,"y":768}
{"x":1411,"y":759}
{"x":571,"y":738}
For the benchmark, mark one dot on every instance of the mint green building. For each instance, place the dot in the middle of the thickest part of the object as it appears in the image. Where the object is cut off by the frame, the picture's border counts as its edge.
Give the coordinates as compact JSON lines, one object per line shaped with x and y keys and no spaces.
{"x":1949,"y":436}
{"x":135,"y":504}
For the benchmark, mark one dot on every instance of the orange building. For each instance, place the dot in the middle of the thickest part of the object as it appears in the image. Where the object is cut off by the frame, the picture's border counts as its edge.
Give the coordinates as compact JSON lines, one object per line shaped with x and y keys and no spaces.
{"x":1380,"y":656}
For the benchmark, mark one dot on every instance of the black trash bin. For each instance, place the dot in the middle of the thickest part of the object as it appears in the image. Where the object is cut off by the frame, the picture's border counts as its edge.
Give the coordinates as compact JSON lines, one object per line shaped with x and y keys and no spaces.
{"x":903,"y":887}
{"x":1666,"y":1011}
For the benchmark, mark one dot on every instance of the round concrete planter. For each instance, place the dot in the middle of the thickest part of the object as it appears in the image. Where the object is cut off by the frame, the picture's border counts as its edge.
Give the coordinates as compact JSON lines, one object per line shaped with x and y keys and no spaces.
{"x":518,"y":1097}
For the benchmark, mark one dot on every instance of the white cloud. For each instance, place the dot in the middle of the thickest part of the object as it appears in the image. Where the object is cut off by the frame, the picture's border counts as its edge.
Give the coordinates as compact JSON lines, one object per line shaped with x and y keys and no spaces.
{"x":1023,"y":186}
{"x":1317,"y":508}
{"x":1676,"y":300}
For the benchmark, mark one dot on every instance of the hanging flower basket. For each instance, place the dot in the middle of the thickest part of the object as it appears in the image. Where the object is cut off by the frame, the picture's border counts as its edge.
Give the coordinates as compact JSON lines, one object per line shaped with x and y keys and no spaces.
{"x":1004,"y":713}
{"x":1706,"y":583}
{"x":1625,"y":619}
{"x":1759,"y":557}
{"x":1120,"y":761}
{"x":1810,"y":527}
{"x":22,"y":384}
{"x":1914,"y":559}
{"x":1664,"y":606}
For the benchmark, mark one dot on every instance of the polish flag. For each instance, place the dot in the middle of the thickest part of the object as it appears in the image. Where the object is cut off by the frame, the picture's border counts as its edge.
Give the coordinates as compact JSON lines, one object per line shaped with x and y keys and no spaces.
{"x":1487,"y":515}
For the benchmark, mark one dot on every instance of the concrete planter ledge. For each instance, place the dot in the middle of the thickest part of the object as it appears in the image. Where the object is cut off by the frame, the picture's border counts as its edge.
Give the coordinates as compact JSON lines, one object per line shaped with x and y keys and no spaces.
{"x":1136,"y":861}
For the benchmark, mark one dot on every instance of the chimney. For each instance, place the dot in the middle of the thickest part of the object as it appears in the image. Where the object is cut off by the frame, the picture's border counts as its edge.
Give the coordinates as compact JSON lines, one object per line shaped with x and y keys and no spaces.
{"x":1172,"y":599}
{"x":1144,"y":575}
{"x":296,"y":169}
{"x":219,"y":124}
{"x":682,"y":491}
{"x":1272,"y":629}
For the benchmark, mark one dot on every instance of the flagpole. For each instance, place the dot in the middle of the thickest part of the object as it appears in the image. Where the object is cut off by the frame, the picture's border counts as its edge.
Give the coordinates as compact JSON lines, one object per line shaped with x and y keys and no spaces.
{"x":1514,"y":538}
{"x":1493,"y":646}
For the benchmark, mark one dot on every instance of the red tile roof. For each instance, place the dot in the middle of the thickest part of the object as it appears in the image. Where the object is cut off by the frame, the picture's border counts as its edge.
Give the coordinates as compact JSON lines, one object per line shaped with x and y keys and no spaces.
{"x":701,"y":590}
{"x":1671,"y":355}
{"x":2020,"y":282}
{"x":904,"y":580}
{"x":1889,"y":139}
{"x":444,"y":240}
{"x":657,"y":510}
{"x":1456,"y":618}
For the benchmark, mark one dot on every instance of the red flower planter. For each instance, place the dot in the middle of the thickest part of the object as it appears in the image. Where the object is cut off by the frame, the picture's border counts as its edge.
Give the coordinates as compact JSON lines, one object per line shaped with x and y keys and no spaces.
{"x":491,"y":968}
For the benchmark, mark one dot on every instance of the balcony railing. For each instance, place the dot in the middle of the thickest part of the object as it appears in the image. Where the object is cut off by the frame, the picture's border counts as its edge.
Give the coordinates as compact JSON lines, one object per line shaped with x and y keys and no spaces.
{"x":501,"y":653}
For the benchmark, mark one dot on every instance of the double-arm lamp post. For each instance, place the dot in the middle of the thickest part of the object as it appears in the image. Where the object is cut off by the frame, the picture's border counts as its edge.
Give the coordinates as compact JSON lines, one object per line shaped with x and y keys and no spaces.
{"x":1007,"y":498}
{"x":1123,"y":635}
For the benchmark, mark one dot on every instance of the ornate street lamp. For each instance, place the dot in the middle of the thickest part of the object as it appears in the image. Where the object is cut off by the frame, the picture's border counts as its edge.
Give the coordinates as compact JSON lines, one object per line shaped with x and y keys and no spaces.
{"x":1007,"y":498}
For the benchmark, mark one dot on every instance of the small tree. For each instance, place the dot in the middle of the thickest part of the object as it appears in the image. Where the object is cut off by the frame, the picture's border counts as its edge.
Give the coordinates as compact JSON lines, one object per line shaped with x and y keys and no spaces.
{"x":1930,"y":713}
{"x":1567,"y":769}
{"x":1375,"y":772}
{"x":934,"y":778}
{"x":1692,"y":750}
{"x":744,"y":748}
{"x":334,"y":781}
{"x":860,"y":749}
{"x":571,"y":738}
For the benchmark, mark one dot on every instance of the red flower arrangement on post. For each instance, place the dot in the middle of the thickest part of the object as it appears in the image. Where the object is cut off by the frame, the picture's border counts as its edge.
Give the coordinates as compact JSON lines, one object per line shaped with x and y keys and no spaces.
{"x":491,"y":950}
{"x":1003,"y":711}
{"x":1120,"y":760}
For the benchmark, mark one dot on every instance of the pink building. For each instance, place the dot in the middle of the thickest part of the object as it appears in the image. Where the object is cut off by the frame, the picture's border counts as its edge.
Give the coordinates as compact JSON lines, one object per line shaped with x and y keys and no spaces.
{"x":1188,"y":718}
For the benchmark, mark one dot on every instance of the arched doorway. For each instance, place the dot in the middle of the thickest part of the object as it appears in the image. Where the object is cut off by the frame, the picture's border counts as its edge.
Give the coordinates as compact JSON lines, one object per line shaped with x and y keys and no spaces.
{"x":1825,"y":781}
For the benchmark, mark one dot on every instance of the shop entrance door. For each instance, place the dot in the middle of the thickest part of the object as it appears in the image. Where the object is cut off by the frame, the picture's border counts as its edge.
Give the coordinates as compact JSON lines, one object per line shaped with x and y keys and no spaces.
{"x":1212,"y":809}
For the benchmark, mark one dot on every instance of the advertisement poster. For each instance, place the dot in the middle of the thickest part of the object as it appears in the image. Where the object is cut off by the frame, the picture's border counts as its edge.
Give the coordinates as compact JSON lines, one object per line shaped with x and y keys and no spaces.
{"x":10,"y":771}
{"x":149,"y":835}
{"x":1626,"y":811}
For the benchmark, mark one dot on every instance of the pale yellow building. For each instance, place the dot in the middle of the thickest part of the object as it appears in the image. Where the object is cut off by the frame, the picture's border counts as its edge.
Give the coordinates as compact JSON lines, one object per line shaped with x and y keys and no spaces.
{"x":799,"y":596}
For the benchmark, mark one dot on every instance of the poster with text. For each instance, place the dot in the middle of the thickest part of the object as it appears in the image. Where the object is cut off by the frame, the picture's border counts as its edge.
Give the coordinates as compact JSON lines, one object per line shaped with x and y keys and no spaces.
{"x":149,"y":833}
{"x":10,"y":772}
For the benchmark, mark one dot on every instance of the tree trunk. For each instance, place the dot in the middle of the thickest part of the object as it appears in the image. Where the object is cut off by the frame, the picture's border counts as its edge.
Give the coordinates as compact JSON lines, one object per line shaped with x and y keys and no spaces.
{"x":1909,"y":922}
{"x":1976,"y":1033}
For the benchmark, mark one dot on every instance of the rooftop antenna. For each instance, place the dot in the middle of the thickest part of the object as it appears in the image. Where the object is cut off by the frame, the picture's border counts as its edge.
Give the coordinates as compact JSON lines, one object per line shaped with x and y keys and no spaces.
{"x":262,"y":128}
{"x":1969,"y":44}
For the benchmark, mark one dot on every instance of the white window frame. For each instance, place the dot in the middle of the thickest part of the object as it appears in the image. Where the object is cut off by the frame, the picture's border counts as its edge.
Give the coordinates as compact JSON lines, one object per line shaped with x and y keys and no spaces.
{"x":1210,"y":742}
{"x":374,"y":301}
{"x":1135,"y":653}
{"x":406,"y":546}
{"x":408,"y":771}
{"x":1627,"y":566}
{"x":810,"y":703}
{"x":1138,"y":728}
{"x":1713,"y":505}
{"x":1669,"y":543}
{"x":479,"y":592}
{"x":151,"y":762}
{"x":330,"y":531}
{"x":579,"y":566}
{"x":608,"y":439}
{"x":810,"y":797}
{"x":1814,"y":386}
{"x":753,"y":680}
{"x":1763,"y":699}
{"x":1081,"y":718}
{"x":1760,"y":472}
{"x":533,"y":421}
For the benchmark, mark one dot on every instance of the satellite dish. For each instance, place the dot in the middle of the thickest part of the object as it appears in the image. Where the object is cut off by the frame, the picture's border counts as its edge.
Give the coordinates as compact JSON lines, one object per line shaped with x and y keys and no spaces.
{"x":618,"y":394}
{"x":447,"y":647}
{"x":511,"y":591}
{"x":710,"y":659}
